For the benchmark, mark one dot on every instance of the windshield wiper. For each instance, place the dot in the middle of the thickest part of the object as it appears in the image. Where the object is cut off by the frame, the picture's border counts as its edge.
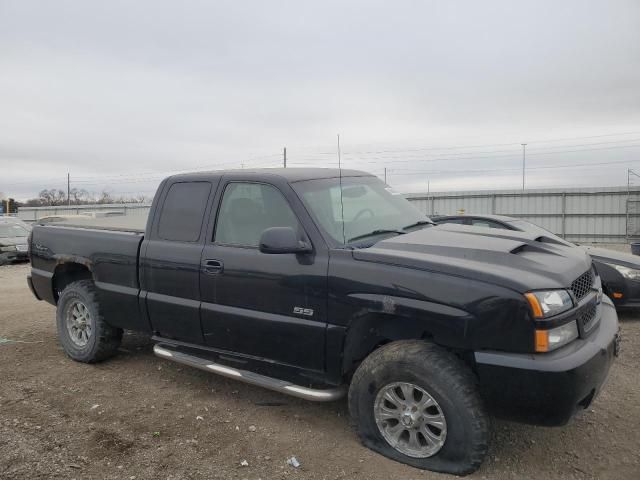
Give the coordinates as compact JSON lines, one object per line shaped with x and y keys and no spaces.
{"x":419,"y":223}
{"x":376,"y":232}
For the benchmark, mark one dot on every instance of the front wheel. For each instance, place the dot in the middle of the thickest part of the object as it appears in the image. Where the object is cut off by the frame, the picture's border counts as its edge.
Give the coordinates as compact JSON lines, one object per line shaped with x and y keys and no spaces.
{"x":418,"y":404}
{"x":83,"y":333}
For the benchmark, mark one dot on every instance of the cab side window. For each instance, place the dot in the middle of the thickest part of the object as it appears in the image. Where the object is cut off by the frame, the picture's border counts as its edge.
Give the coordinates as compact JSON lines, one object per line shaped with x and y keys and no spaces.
{"x":247,"y":209}
{"x":183,"y":211}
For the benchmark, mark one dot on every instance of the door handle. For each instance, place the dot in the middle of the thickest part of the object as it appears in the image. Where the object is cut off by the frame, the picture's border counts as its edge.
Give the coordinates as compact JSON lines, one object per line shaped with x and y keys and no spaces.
{"x":212,"y":267}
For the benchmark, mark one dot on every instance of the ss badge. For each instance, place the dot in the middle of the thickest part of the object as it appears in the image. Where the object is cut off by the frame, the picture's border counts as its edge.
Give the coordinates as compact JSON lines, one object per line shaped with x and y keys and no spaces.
{"x":303,"y":311}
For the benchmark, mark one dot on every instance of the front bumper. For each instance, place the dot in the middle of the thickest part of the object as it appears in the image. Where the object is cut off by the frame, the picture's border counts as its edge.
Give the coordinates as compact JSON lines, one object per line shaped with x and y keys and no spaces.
{"x":548,"y":389}
{"x":8,"y":257}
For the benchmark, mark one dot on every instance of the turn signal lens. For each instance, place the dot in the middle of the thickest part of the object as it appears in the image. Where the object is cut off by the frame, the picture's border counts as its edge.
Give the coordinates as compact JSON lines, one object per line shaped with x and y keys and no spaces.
{"x":548,"y":340}
{"x":535,"y":305}
{"x":617,"y":295}
{"x":542,"y":341}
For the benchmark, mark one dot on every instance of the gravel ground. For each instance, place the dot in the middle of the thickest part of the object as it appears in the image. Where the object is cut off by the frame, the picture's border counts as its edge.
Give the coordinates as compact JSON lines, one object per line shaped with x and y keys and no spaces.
{"x":137,"y":417}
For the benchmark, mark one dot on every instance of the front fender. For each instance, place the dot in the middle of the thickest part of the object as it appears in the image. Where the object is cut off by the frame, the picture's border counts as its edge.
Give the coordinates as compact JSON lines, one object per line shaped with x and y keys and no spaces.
{"x":383,"y":318}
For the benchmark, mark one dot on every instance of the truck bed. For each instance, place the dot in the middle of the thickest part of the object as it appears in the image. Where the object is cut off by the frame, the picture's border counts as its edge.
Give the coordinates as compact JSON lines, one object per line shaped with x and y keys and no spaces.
{"x":123,"y":223}
{"x":108,"y":251}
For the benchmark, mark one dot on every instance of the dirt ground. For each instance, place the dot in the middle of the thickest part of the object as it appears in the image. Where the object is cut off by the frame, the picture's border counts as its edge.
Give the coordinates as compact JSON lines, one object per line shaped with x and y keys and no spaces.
{"x":137,"y":417}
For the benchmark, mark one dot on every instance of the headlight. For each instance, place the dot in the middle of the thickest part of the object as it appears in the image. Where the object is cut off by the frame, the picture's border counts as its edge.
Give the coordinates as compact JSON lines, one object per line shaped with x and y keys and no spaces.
{"x":10,"y":248}
{"x":546,"y":303}
{"x":626,"y":272}
{"x":548,"y":340}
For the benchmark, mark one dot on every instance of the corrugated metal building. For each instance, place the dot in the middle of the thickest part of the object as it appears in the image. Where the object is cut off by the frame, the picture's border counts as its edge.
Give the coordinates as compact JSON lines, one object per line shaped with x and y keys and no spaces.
{"x":609,"y":215}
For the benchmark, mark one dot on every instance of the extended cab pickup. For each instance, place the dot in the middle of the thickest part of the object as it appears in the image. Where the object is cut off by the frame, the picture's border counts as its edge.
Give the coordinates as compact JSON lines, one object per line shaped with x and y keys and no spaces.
{"x":316,"y":282}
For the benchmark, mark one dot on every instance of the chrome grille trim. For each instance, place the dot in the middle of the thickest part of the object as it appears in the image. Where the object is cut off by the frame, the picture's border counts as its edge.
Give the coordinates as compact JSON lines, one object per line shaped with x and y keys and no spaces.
{"x":582,"y":285}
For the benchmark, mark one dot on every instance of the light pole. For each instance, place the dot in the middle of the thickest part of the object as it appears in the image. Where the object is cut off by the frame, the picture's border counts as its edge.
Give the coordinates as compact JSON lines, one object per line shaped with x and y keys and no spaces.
{"x":524,"y":149}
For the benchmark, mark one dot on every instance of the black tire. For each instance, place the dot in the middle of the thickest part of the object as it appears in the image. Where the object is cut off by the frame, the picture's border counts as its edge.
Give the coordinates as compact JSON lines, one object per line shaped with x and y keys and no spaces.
{"x":447,"y":380}
{"x":102,"y":342}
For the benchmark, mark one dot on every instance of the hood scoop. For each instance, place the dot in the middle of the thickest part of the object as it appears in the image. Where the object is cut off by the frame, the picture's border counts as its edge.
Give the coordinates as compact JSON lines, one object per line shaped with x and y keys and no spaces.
{"x":545,"y":239}
{"x":529,"y":247}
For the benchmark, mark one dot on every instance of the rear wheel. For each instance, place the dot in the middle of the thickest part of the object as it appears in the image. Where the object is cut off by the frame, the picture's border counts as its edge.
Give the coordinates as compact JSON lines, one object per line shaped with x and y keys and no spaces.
{"x":83,"y":333}
{"x":418,"y":404}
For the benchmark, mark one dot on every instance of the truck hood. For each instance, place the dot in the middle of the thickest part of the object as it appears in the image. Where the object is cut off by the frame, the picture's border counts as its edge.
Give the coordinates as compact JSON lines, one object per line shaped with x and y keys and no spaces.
{"x":516,"y":260}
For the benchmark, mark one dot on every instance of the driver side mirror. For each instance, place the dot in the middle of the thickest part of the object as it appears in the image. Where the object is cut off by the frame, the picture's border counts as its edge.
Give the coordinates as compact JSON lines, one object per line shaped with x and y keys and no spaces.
{"x":282,"y":240}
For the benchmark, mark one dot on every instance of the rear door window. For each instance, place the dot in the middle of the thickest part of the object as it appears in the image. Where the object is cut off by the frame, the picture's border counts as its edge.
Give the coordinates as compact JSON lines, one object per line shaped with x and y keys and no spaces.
{"x":183,"y":211}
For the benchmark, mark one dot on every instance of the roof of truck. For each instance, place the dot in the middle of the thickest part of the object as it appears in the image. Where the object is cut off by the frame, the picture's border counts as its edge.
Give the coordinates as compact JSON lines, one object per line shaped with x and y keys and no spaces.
{"x":289,"y":174}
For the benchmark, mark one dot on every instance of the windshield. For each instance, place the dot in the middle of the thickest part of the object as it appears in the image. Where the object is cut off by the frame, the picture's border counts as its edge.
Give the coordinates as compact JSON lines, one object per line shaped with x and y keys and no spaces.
{"x":368,"y":207}
{"x":12,"y":230}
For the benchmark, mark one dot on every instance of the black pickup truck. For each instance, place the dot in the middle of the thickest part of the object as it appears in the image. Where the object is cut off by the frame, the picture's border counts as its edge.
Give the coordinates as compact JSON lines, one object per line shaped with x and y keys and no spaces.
{"x":318,"y":283}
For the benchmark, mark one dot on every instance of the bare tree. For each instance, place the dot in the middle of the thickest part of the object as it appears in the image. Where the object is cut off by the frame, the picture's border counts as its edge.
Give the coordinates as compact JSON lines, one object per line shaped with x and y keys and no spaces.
{"x":52,"y":197}
{"x":55,"y":197}
{"x":105,"y":197}
{"x":79,"y":196}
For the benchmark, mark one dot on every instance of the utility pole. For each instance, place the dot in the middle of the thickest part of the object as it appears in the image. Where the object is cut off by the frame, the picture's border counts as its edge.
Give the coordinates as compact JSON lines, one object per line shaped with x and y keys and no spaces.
{"x":628,"y":210}
{"x":524,"y":149}
{"x":285,"y":157}
{"x":68,"y":189}
{"x":385,"y":175}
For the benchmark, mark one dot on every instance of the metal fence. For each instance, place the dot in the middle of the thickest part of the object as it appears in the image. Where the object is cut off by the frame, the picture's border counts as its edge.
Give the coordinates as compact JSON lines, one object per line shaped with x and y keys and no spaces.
{"x":610,"y":215}
{"x":32,"y":214}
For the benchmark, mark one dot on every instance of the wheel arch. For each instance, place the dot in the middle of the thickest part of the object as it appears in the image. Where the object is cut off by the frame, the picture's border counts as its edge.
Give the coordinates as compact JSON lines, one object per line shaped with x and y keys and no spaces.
{"x":394,"y":319}
{"x":369,"y":332}
{"x":67,"y":272}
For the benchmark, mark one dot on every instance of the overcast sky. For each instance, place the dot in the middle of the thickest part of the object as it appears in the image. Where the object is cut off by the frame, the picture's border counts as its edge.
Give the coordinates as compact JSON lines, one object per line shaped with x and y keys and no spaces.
{"x":122,"y":93}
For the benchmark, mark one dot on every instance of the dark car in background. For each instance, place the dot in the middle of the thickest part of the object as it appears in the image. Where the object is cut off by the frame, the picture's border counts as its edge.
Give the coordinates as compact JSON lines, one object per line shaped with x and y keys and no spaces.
{"x":13,"y":240}
{"x":619,"y":272}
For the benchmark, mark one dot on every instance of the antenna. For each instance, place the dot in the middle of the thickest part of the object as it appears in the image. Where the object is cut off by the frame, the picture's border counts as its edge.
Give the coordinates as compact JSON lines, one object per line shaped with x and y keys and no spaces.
{"x":344,"y":237}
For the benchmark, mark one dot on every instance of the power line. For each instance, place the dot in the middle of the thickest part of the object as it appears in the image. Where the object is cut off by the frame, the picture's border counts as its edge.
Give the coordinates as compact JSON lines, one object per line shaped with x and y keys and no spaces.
{"x":450,"y":157}
{"x":514,"y":169}
{"x":457,"y":147}
{"x":474,"y":155}
{"x":138,"y":174}
{"x":379,"y":160}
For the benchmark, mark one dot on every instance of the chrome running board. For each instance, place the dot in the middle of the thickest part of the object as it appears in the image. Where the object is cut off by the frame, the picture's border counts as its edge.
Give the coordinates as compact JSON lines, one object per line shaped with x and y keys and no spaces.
{"x":325,"y":395}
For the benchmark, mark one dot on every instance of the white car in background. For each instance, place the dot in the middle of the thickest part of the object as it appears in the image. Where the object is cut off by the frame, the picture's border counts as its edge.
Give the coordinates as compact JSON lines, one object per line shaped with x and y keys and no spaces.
{"x":14,"y":235}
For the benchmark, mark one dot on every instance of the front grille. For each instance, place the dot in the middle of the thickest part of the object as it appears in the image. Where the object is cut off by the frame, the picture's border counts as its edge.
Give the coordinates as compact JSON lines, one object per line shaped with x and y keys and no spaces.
{"x":581,"y":285}
{"x":587,"y":318}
